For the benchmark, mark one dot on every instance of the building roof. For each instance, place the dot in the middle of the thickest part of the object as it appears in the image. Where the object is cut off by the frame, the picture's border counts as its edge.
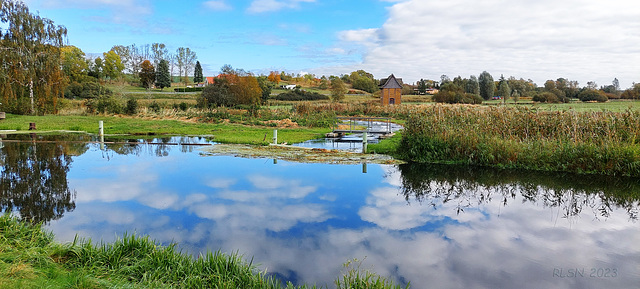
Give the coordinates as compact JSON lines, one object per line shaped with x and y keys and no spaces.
{"x":391,"y":82}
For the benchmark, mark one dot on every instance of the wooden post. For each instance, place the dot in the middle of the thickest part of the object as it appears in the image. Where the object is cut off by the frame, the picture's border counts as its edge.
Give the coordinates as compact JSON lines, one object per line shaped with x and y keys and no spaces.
{"x":32,"y":126}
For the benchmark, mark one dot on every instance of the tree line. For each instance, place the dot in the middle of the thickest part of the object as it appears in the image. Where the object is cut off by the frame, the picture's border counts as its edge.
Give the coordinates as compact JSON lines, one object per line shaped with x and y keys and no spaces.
{"x":484,"y":87}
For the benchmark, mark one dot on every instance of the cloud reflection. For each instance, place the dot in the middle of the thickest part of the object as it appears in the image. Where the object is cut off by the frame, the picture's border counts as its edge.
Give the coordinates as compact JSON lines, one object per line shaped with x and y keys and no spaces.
{"x":302,"y":230}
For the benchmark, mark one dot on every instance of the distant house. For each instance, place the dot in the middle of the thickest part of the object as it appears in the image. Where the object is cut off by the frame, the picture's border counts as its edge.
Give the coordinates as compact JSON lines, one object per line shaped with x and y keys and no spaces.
{"x":208,"y":80}
{"x":391,"y":90}
{"x":290,"y":86}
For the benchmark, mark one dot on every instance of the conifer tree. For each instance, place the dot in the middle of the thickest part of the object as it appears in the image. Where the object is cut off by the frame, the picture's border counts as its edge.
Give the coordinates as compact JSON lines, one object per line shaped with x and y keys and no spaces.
{"x":163,"y":78}
{"x":197,"y":74}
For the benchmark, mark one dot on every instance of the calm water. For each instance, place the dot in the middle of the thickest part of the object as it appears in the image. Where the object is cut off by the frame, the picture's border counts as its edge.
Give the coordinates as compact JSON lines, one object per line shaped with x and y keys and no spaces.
{"x":433,"y":226}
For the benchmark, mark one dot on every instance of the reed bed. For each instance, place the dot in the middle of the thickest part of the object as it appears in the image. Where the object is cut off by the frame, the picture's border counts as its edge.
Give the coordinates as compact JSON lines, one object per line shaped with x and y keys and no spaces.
{"x":518,"y":137}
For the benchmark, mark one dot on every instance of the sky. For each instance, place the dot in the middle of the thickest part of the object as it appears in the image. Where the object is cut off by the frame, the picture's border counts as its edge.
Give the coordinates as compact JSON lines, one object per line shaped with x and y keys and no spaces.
{"x":582,"y":40}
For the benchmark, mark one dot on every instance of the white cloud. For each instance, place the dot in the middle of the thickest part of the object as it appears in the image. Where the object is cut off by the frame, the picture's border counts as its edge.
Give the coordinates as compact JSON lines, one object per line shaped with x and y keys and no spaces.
{"x":261,"y":6}
{"x":217,"y":5}
{"x":586,"y":40}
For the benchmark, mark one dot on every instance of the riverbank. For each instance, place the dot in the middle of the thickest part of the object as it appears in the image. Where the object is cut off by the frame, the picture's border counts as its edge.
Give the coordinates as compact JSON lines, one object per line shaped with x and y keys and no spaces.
{"x":120,"y":125}
{"x":29,"y":258}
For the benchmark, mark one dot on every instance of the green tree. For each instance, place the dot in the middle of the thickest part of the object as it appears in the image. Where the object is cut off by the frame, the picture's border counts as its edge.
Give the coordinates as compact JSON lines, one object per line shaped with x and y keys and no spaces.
{"x":74,"y":64}
{"x":112,"y":65}
{"x":163,"y":78}
{"x":31,"y":79}
{"x":472,"y":86}
{"x":324,"y":83}
{"x":338,"y":90}
{"x":450,"y":92}
{"x":422,"y":86}
{"x":216,"y":94}
{"x":266,"y":86}
{"x":197,"y":73}
{"x":147,"y":74}
{"x":363,"y":80}
{"x":504,"y":90}
{"x":487,"y":86}
{"x":96,"y":68}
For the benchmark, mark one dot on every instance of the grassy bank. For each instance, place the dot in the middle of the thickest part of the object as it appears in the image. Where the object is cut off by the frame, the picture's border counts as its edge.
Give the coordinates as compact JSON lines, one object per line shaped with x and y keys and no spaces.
{"x":601,"y":142}
{"x":29,"y":258}
{"x":222,"y":132}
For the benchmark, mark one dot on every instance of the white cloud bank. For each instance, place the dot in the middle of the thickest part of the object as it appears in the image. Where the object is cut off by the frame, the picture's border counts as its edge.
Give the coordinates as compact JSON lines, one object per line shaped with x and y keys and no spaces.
{"x":581,"y":40}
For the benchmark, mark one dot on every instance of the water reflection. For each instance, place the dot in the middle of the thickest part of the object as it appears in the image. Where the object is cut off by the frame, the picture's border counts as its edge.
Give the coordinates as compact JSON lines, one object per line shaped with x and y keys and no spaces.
{"x":469,"y":187}
{"x":33,"y":178}
{"x":434,"y":226}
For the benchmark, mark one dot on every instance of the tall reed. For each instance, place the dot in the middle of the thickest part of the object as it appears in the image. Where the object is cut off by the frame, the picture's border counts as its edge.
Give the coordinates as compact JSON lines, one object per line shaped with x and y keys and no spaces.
{"x":584,"y":142}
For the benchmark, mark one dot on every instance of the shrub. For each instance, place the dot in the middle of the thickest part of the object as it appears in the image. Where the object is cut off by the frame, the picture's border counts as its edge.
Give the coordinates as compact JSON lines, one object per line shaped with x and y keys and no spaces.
{"x":216,"y":94}
{"x":104,"y":104}
{"x":592,"y":95}
{"x":86,"y":90}
{"x":155,"y":107}
{"x":546,"y":97}
{"x":299,"y":94}
{"x":188,"y":89}
{"x":132,"y":106}
{"x":457,"y":97}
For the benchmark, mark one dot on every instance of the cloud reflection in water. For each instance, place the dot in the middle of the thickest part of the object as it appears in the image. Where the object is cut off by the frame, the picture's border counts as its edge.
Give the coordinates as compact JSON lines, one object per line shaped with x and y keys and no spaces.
{"x":304,"y":220}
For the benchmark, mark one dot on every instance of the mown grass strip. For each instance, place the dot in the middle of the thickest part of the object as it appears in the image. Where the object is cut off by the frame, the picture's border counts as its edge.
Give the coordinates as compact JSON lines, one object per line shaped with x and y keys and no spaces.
{"x":221,"y":132}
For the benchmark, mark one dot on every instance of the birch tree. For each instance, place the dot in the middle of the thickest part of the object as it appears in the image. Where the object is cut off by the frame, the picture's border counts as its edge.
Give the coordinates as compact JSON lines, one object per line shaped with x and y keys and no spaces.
{"x":30,"y":60}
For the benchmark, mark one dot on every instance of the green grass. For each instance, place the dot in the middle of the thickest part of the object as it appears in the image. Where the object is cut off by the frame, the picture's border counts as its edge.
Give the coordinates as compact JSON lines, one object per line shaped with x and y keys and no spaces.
{"x":29,"y":258}
{"x":613,"y":105}
{"x":575,"y":105}
{"x":221,"y":132}
{"x":386,"y":146}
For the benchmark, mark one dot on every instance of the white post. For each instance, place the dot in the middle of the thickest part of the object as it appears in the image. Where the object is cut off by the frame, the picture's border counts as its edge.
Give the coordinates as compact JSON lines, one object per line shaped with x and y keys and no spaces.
{"x":275,"y":136}
{"x":364,"y":142}
{"x":101,"y":134}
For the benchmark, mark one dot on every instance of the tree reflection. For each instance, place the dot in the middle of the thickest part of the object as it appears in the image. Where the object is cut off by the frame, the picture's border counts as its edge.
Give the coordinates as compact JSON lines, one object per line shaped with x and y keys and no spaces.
{"x":33,"y":181}
{"x":472,"y":186}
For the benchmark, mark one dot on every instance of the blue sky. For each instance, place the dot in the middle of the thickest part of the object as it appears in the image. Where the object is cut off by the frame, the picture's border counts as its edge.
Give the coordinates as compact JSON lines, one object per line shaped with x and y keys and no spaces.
{"x":589,"y":40}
